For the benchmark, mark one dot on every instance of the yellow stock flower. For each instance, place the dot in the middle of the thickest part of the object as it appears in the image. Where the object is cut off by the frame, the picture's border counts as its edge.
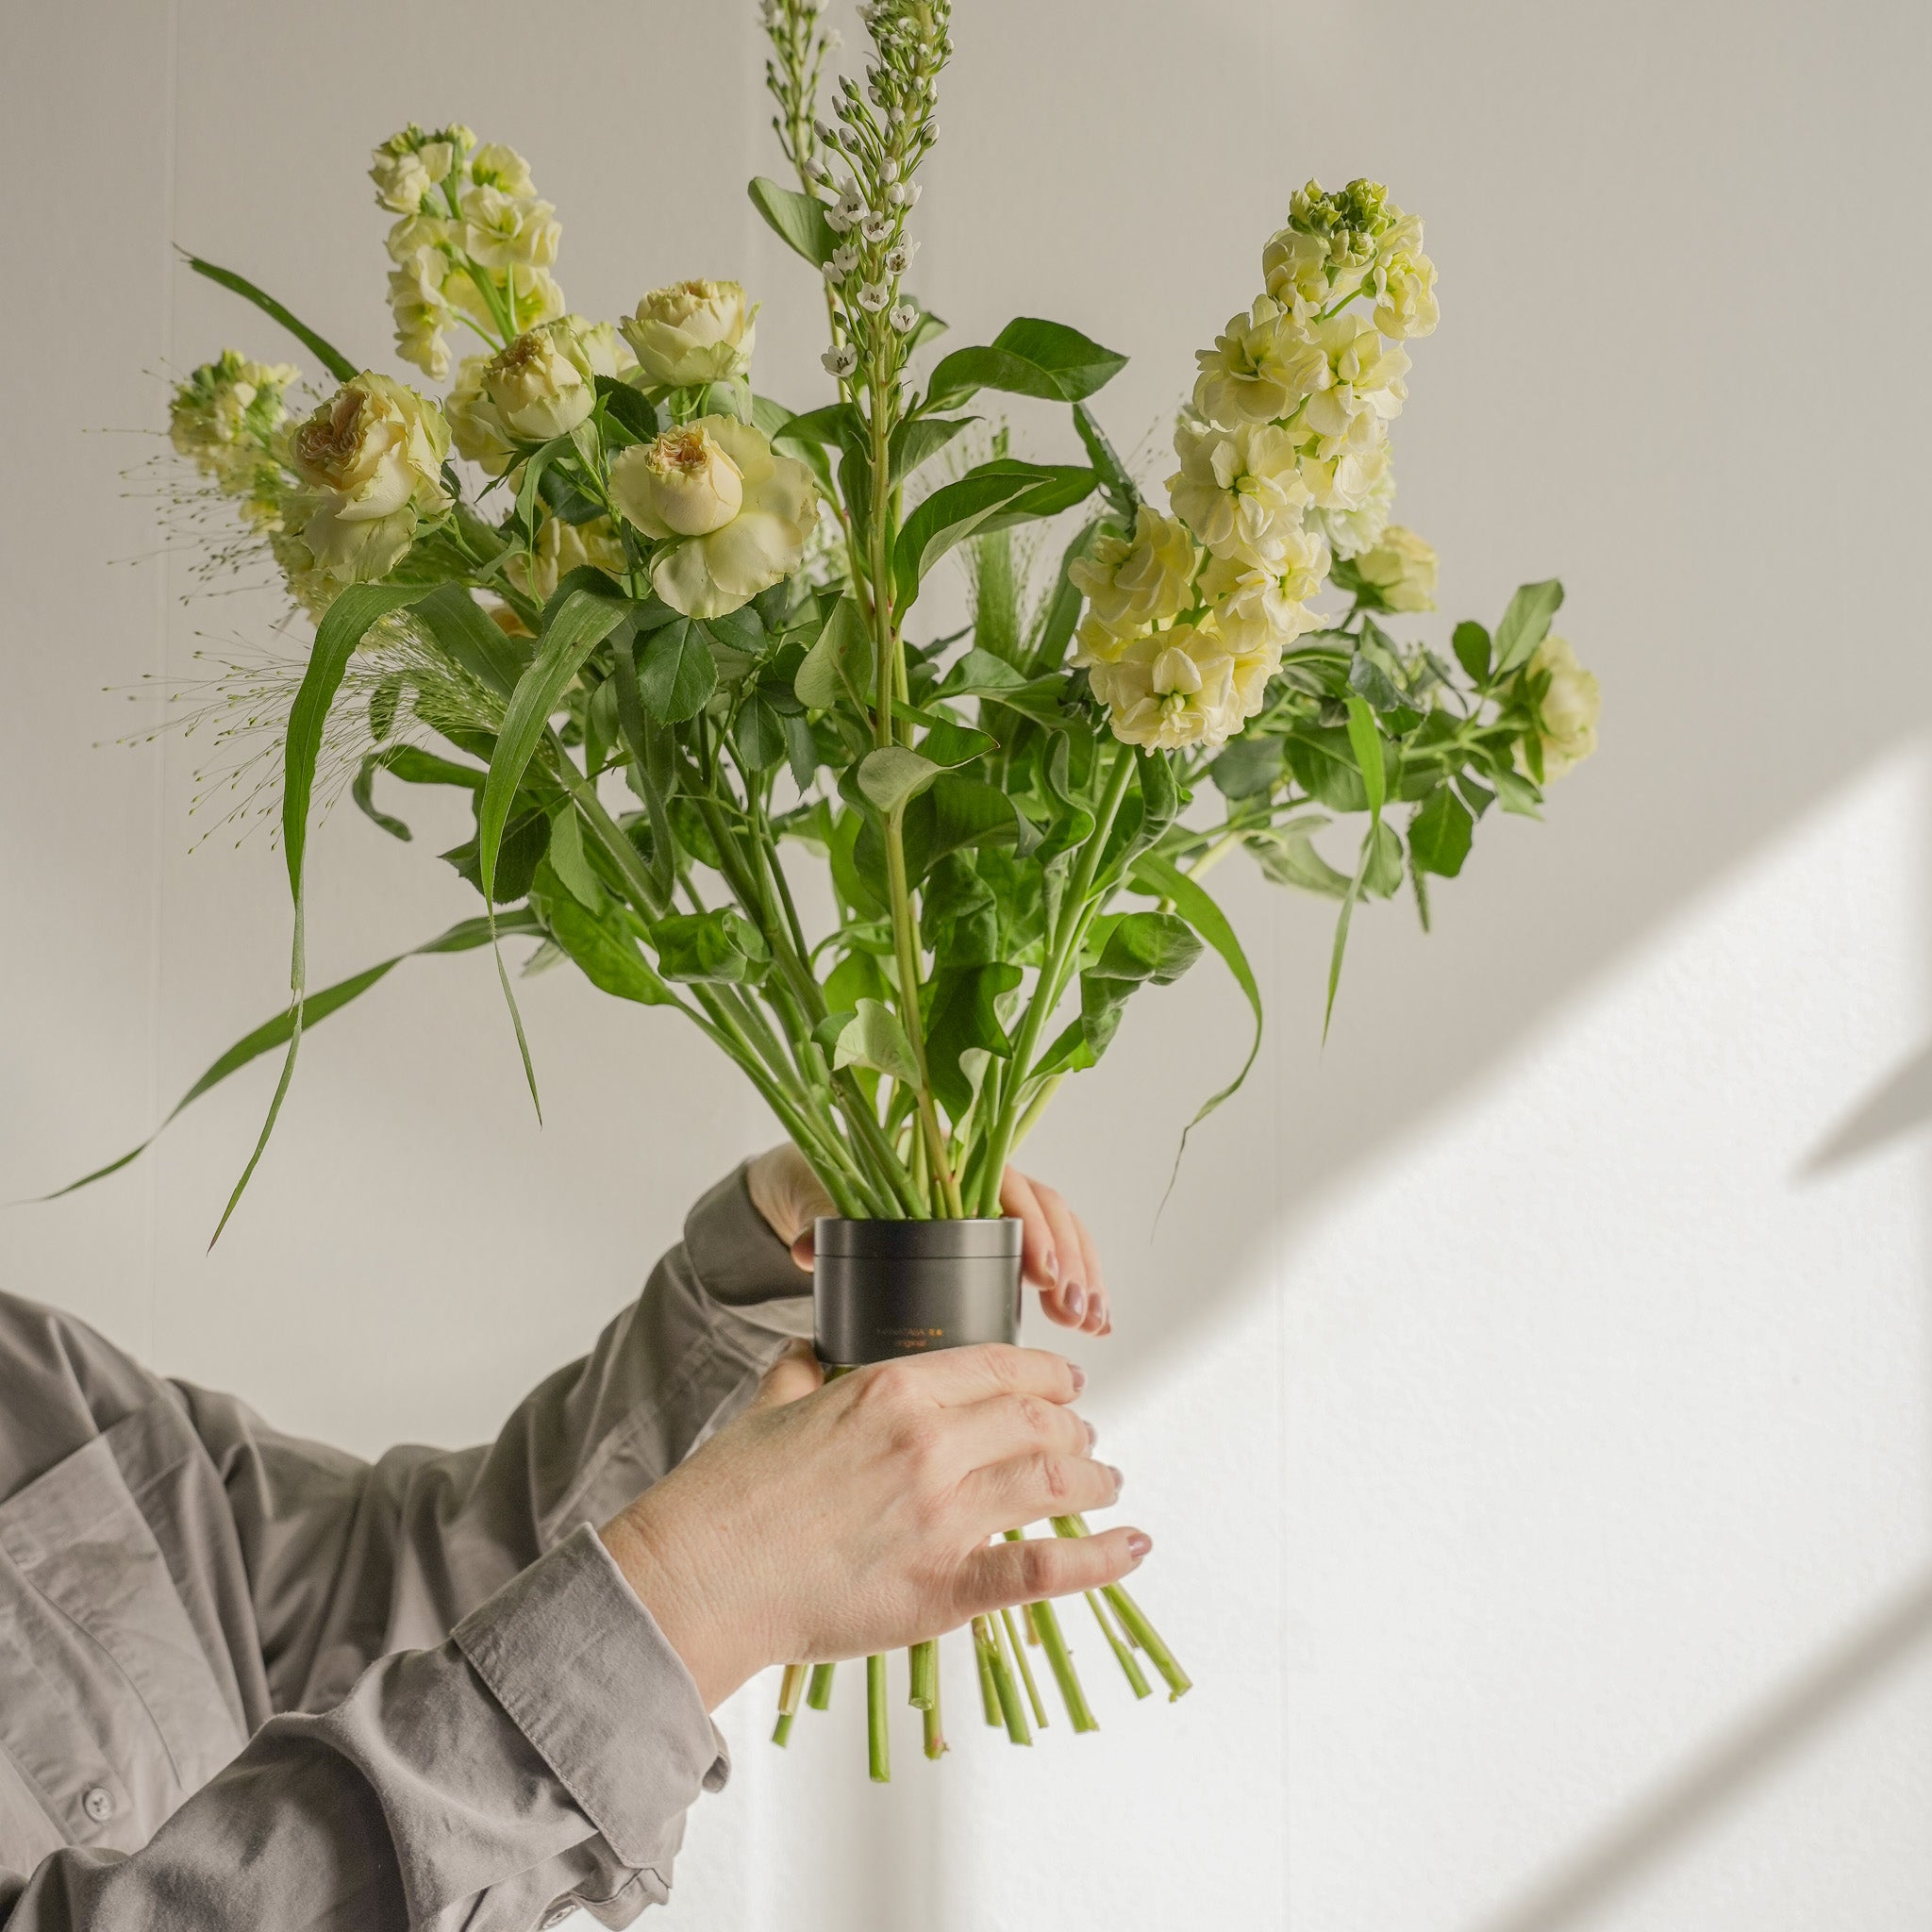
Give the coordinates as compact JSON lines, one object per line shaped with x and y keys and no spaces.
{"x":1240,"y":491}
{"x":1402,"y":568}
{"x":1130,"y":582}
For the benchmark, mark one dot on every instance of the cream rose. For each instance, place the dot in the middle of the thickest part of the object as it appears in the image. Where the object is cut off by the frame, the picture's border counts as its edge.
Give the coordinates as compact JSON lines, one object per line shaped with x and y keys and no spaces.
{"x":1402,"y":567}
{"x":1182,"y":689}
{"x":538,"y":390}
{"x":373,"y":454}
{"x":1568,"y":707}
{"x":692,"y":332}
{"x":1131,"y":583}
{"x":733,"y":519}
{"x":560,"y":548}
{"x":473,"y":423}
{"x":1240,"y":491}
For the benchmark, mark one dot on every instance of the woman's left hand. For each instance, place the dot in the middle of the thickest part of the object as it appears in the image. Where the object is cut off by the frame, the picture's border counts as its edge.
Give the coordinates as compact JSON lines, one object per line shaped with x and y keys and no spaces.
{"x":1056,"y":1252}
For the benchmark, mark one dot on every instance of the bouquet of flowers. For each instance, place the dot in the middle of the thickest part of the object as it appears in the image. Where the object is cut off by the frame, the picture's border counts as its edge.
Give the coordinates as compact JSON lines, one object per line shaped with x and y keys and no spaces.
{"x":666,"y":633}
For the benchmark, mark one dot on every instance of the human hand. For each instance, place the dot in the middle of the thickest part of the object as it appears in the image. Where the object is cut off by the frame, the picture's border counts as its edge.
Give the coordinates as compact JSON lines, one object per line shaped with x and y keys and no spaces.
{"x":853,"y":1517}
{"x":1057,"y":1254}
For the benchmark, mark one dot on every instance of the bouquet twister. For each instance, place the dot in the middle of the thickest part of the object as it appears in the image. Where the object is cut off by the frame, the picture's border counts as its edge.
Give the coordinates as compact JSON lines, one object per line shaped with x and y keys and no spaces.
{"x":665,"y":632}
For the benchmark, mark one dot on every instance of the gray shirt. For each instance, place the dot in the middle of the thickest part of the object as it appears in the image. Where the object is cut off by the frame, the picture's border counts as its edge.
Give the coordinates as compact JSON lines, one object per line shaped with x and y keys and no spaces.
{"x":248,"y":1681}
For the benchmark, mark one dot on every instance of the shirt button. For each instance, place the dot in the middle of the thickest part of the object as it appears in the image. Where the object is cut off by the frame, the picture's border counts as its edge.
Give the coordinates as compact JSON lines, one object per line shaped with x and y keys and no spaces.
{"x":558,"y":1913}
{"x":98,"y":1803}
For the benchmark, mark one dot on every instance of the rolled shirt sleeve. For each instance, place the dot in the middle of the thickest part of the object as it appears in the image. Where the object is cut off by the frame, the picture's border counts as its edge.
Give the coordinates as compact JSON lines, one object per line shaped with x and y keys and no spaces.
{"x":461,"y":1715}
{"x":543,"y":1759}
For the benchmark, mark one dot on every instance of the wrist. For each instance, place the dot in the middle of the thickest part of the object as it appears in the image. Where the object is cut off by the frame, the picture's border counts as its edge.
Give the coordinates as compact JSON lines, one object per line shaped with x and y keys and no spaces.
{"x":691,"y":1598}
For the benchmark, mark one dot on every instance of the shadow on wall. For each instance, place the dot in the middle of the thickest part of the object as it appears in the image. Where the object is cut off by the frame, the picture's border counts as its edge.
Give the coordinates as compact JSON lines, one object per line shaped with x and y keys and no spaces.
{"x":1726,"y":1771}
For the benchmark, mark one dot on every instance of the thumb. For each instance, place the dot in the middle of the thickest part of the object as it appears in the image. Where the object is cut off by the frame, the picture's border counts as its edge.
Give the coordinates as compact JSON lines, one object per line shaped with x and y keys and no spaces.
{"x":792,"y":1376}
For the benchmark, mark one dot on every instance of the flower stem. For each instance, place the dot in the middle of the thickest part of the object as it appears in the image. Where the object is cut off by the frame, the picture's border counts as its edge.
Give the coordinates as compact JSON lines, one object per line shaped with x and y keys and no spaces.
{"x":1004,"y":1683}
{"x":1136,"y":1677}
{"x":1019,"y":1651}
{"x":1053,"y":1640}
{"x":934,"y":1737}
{"x":982,"y":1651}
{"x":1134,"y":1620}
{"x":791,"y":1687}
{"x":924,"y":1660}
{"x":820,"y":1695}
{"x":879,"y":1740}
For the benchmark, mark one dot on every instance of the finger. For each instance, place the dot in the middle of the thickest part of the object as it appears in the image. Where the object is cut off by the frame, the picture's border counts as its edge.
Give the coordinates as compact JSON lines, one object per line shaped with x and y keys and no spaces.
{"x":1099,"y":1306}
{"x":794,"y":1374}
{"x":1067,"y":1303}
{"x":1031,"y":1487}
{"x":1037,"y":1567}
{"x":805,"y":1249}
{"x":956,"y":1377}
{"x":1038,"y":1264}
{"x":1004,"y":1426}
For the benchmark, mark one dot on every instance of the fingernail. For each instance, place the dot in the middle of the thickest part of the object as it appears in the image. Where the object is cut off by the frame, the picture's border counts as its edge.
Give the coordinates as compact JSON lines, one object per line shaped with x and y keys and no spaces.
{"x":1137,"y":1544}
{"x":1051,"y":1262}
{"x":1119,"y":1482}
{"x":1073,"y":1299}
{"x":1093,"y":1434}
{"x":1079,"y":1377}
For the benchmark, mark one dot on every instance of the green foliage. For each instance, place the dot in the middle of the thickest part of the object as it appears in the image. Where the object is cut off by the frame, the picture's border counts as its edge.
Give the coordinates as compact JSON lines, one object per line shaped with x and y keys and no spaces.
{"x":1028,"y":357}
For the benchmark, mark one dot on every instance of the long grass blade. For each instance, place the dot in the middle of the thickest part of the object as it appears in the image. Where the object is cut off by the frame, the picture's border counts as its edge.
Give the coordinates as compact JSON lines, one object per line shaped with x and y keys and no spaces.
{"x":337,"y":638}
{"x":320,"y":347}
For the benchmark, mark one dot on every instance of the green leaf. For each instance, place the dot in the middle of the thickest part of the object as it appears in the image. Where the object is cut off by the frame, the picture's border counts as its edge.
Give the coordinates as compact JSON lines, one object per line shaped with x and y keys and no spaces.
{"x":337,"y":639}
{"x":1287,"y":856}
{"x":576,"y":628}
{"x":1439,"y":834}
{"x":1383,"y":877}
{"x":994,"y":496}
{"x":324,"y":352}
{"x":839,"y":661}
{"x":1526,"y":623}
{"x":964,"y":1016}
{"x":956,"y":812}
{"x":759,"y":731}
{"x":599,"y":940}
{"x":874,"y":1037}
{"x":467,"y":637}
{"x":677,"y":671}
{"x":363,"y":794}
{"x":797,"y":220}
{"x":1367,"y":680}
{"x":1247,"y":767}
{"x":1028,"y":357}
{"x":1157,"y":876}
{"x":1365,"y":740}
{"x":716,"y":947}
{"x":315,"y":1008}
{"x":1154,"y":947}
{"x":1472,"y":644}
{"x":1116,"y":485}
{"x":919,"y":439}
{"x":891,"y":775}
{"x":630,"y":409}
{"x":566,"y":856}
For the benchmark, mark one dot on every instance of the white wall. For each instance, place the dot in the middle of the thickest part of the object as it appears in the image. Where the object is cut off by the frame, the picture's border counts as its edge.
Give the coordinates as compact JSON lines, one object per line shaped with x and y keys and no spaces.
{"x":1529,"y":1396}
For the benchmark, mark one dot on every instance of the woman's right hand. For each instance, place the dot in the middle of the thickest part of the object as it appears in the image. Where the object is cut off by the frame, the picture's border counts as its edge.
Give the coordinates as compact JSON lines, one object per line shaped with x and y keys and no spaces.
{"x":853,"y":1517}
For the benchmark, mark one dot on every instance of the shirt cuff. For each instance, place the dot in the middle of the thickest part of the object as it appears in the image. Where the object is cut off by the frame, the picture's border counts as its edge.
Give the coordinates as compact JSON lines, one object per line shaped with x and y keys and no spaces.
{"x":585,"y":1674}
{"x":737,"y":1257}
